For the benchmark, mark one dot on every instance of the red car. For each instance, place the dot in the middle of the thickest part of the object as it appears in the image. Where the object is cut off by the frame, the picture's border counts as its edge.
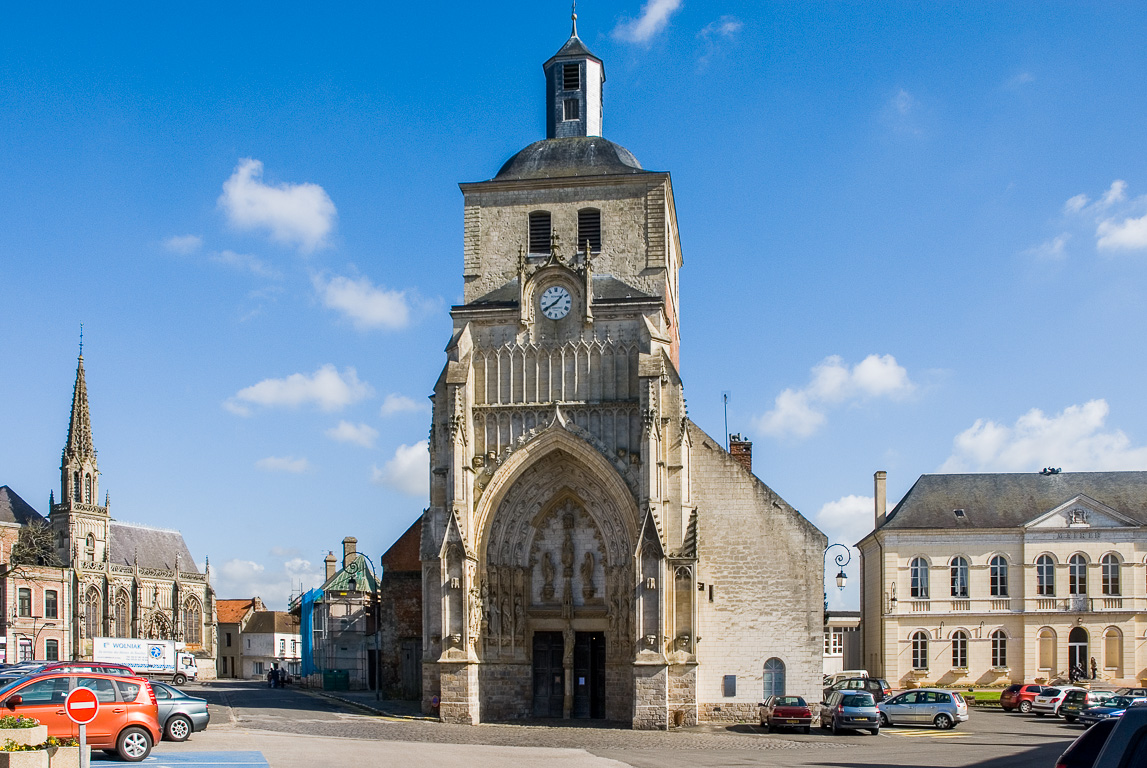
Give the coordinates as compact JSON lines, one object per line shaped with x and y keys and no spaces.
{"x":1020,"y":697}
{"x":90,"y":666}
{"x":127,"y":723}
{"x":785,"y":712}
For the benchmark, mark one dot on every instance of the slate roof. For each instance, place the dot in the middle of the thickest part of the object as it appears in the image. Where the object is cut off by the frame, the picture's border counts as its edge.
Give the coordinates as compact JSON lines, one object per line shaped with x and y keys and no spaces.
{"x":153,"y":547}
{"x":404,"y":554}
{"x":13,"y":509}
{"x":605,"y":288}
{"x":1010,"y":500}
{"x":340,"y":582}
{"x":569,"y":156}
{"x":573,"y":47}
{"x":267,"y":622}
{"x":233,"y":611}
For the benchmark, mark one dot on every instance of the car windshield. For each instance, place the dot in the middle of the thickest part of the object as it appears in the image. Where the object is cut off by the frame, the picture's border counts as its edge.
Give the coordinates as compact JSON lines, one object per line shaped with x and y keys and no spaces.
{"x":789,"y":701}
{"x":858,"y":700}
{"x":1121,"y":702}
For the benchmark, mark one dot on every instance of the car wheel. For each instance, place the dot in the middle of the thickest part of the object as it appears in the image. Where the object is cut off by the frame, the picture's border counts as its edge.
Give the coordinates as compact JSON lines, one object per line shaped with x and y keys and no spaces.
{"x":808,"y":729}
{"x":133,"y":744}
{"x":943,"y":722}
{"x":874,"y":731}
{"x":835,"y":728}
{"x":884,"y":719}
{"x":765,"y":725}
{"x":1069,"y":718}
{"x":178,"y":728}
{"x":179,"y":679}
{"x":1025,"y":707}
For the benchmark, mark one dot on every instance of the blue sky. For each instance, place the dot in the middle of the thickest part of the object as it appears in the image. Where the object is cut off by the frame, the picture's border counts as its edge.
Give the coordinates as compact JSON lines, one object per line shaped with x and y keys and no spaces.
{"x":915,"y":239}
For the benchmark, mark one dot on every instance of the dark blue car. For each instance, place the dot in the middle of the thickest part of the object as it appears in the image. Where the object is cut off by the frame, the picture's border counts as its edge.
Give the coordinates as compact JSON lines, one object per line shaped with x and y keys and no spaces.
{"x":1111,"y":709}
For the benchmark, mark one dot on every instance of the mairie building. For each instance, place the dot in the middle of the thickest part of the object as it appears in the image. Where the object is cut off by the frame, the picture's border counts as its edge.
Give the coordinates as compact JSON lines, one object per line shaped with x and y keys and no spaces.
{"x":997,"y":578}
{"x":589,"y":551}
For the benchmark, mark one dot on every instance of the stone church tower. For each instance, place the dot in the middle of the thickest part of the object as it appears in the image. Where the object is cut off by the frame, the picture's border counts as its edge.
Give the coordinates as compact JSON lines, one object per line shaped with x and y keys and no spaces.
{"x":588,"y":551}
{"x":127,"y":580}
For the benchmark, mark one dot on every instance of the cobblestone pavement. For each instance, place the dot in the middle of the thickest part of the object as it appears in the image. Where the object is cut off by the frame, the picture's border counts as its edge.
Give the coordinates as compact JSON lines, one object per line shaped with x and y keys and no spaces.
{"x":989,"y":740}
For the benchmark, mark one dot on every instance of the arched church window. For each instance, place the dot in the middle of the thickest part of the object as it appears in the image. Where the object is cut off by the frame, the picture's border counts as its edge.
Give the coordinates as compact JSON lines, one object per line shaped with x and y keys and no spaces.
{"x":88,"y":488}
{"x":589,"y":228}
{"x":192,"y":622}
{"x":539,"y":233}
{"x":122,"y":615}
{"x":76,"y":486}
{"x":93,"y":613}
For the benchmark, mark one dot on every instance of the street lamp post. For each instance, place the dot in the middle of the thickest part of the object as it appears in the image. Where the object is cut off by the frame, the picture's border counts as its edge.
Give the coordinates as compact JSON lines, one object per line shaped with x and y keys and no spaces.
{"x":842,"y":559}
{"x":377,"y":599}
{"x":36,"y":632}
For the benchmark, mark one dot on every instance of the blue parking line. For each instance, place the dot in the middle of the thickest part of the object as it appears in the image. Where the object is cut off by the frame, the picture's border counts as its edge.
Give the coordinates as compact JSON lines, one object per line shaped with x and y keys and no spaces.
{"x":206,"y":759}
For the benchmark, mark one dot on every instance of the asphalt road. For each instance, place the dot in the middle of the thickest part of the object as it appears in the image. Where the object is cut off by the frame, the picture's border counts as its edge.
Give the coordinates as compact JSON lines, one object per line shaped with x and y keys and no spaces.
{"x":297,"y":728}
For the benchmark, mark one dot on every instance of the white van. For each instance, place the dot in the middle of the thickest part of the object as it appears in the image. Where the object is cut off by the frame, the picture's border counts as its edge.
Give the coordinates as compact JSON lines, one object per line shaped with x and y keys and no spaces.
{"x":836,"y":677}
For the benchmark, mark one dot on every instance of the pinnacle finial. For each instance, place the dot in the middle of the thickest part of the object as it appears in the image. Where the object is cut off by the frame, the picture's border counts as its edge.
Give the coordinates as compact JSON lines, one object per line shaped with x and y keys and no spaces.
{"x":573,"y":18}
{"x":81,"y":339}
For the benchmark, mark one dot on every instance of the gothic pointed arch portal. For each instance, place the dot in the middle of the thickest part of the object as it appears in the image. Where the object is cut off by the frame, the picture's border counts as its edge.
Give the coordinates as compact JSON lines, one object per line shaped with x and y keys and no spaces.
{"x":556,"y":558}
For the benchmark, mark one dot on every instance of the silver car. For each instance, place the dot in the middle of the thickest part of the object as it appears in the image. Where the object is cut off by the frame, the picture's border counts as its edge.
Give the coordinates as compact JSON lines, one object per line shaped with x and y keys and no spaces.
{"x":927,"y":706}
{"x":180,"y":715}
{"x":850,"y":710}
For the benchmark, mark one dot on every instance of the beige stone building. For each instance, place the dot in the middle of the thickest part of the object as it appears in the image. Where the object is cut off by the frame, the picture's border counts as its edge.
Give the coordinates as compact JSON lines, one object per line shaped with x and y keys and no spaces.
{"x":989,"y":579}
{"x":588,"y":550}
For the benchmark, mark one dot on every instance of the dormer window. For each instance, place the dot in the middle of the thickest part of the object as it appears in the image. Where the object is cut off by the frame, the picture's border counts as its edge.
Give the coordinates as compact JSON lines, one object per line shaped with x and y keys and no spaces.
{"x":589,"y":228}
{"x":571,"y":77}
{"x":539,"y":234}
{"x":571,"y":109}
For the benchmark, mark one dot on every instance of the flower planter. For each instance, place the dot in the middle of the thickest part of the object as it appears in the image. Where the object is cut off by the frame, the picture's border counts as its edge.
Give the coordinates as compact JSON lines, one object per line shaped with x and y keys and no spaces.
{"x":65,"y":757}
{"x":37,"y":735}
{"x":37,"y":759}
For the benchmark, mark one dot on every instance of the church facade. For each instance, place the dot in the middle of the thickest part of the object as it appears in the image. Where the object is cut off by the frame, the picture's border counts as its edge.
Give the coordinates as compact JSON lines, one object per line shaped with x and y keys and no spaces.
{"x":126,"y":580}
{"x":588,"y":550}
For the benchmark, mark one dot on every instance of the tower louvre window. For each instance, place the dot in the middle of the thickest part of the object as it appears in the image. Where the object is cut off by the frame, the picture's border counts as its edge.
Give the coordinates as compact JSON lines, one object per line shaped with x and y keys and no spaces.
{"x":571,"y":110}
{"x":571,"y":77}
{"x":589,"y":228}
{"x":540,"y":232}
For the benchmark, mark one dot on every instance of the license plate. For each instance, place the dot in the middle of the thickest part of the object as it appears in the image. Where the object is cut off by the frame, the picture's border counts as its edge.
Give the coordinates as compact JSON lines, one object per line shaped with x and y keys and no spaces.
{"x":792,"y":721}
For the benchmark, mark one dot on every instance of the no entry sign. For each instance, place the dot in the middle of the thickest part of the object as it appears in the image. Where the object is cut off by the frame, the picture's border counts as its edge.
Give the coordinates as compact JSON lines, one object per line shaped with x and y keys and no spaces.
{"x":82,"y":706}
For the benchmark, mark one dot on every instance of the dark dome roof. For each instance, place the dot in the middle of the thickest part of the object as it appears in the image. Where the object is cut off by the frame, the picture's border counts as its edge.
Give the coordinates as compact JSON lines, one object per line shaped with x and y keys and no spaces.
{"x":570,"y":156}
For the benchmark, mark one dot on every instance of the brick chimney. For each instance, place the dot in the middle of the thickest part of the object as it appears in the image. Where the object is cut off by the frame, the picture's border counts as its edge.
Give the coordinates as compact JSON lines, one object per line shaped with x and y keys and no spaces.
{"x":349,"y":547}
{"x":880,"y":492}
{"x":330,"y":562}
{"x":741,"y":450}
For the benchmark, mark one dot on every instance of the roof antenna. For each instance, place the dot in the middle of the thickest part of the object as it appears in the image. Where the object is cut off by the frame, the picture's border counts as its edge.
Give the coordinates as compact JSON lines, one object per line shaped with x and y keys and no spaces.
{"x":573,"y":17}
{"x":725,"y":402}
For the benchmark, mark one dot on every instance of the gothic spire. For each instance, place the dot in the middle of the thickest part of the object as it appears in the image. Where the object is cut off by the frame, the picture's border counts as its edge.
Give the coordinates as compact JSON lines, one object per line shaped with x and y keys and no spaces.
{"x":80,"y":426}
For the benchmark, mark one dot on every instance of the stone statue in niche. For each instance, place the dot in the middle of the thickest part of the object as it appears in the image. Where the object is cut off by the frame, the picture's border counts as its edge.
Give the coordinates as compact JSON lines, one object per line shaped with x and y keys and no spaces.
{"x":587,"y":567}
{"x":519,"y":619}
{"x":548,"y":574}
{"x":474,"y":611}
{"x":569,"y":637}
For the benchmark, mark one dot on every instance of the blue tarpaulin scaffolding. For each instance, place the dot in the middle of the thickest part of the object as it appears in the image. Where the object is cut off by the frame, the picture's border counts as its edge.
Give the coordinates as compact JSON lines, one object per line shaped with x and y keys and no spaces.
{"x":306,"y":629}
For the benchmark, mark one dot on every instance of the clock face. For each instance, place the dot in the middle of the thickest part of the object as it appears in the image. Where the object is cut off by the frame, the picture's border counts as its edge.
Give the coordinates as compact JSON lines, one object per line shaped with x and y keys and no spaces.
{"x":555,"y":302}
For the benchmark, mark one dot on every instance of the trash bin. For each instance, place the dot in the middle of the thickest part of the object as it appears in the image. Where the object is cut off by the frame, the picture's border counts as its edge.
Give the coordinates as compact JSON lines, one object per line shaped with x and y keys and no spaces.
{"x":336,"y":680}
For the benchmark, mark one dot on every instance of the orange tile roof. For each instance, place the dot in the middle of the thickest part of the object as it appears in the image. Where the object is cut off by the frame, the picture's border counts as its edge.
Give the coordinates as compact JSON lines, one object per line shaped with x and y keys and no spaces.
{"x":233,"y":611}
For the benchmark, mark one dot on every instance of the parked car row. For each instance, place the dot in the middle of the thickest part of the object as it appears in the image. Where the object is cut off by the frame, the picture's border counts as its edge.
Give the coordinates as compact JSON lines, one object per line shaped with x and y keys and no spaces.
{"x":143,"y":712}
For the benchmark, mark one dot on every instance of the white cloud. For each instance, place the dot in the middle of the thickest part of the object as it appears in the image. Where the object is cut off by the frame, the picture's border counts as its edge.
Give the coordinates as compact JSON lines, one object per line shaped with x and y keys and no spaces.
{"x":1116,"y":193}
{"x":274,"y":585}
{"x":1054,"y":249}
{"x":283,"y":464}
{"x":358,"y":434}
{"x":365,"y":305}
{"x":294,"y":214}
{"x":1023,"y":78}
{"x":902,"y":102}
{"x":1127,"y":235}
{"x":247,"y":263}
{"x":326,"y":388}
{"x":1076,"y":204}
{"x":726,"y":26}
{"x":408,"y":472}
{"x":1076,"y":440}
{"x":654,"y":18}
{"x":801,"y":412}
{"x":395,"y":403}
{"x":185,"y":245}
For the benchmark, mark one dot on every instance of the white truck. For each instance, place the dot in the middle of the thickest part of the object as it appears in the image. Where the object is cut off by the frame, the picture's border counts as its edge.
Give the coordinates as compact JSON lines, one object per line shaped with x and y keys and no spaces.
{"x":153,"y":658}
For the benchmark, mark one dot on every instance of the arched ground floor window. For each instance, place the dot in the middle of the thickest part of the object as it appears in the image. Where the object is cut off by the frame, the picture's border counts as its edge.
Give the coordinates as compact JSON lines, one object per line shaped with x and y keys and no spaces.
{"x":774,"y":677}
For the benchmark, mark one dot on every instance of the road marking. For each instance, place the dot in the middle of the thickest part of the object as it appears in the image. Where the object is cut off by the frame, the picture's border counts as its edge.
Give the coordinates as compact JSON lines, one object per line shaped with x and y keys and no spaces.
{"x":207,"y":760}
{"x":914,"y":733}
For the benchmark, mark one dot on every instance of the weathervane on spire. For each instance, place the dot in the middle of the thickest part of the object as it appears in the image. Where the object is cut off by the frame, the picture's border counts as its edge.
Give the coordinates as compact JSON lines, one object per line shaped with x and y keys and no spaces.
{"x":573,"y":17}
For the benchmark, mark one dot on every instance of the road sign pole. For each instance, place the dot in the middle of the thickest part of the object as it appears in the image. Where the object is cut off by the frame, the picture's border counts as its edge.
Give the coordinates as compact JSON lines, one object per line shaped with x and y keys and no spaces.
{"x":85,"y":758}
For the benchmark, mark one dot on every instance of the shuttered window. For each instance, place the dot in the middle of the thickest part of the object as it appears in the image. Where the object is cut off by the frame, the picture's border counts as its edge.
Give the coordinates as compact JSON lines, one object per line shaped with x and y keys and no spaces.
{"x":571,"y":77}
{"x":589,"y":228}
{"x":540,"y":232}
{"x":572,"y":110}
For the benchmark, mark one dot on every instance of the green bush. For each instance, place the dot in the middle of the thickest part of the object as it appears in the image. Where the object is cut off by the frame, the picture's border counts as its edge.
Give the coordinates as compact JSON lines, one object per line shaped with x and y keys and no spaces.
{"x":16,"y":721}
